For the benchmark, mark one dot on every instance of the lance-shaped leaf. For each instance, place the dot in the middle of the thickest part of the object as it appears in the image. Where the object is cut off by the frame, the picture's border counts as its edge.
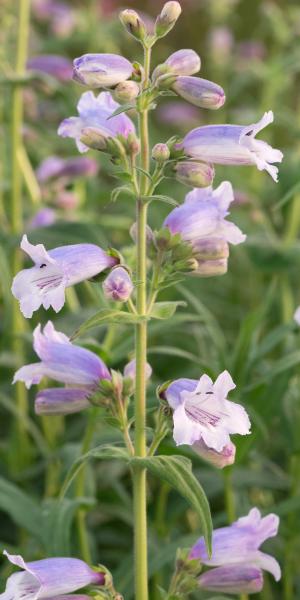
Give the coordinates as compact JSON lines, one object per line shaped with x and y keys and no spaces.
{"x":104,"y":452}
{"x":104,"y":316}
{"x":165,"y":310}
{"x":177,"y":472}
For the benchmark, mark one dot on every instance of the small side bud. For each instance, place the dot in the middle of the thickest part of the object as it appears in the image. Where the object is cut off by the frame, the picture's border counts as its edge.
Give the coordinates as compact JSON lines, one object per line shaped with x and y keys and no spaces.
{"x":133,"y":233}
{"x":218,"y":459}
{"x":133,"y":23}
{"x":126,"y":91}
{"x":133,"y":144}
{"x":118,"y":285}
{"x":171,"y":11}
{"x":91,"y":137}
{"x":195,"y":174}
{"x":130,"y":370}
{"x":184,"y":62}
{"x":160,"y":152}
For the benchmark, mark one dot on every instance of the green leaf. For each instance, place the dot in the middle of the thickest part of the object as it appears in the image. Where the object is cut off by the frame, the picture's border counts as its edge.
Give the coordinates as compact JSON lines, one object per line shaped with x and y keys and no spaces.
{"x":177,"y":472}
{"x":121,"y":109}
{"x":24,"y":511}
{"x":104,"y":452}
{"x":141,"y":170}
{"x":165,"y":310}
{"x":58,"y":520}
{"x":164,"y":198}
{"x":123,"y":189}
{"x":106,"y":315}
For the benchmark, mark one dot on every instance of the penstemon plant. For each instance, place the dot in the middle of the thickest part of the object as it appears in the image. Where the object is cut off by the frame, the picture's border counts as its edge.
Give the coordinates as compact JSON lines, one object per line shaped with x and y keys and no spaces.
{"x":193,"y":240}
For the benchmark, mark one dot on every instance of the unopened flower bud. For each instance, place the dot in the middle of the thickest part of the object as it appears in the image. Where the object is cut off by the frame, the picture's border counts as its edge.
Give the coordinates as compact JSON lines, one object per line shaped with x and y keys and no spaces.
{"x":133,"y":23}
{"x":160,"y":152}
{"x":210,"y":248}
{"x":118,"y":285}
{"x":200,"y":92}
{"x":211,"y":268}
{"x":184,"y":62}
{"x":126,"y":91}
{"x":133,"y":144}
{"x":167,"y":18}
{"x":101,"y":70}
{"x":232,"y":579}
{"x":91,"y":137}
{"x":133,"y":233}
{"x":217,"y":459}
{"x":195,"y":174}
{"x":130,"y":370}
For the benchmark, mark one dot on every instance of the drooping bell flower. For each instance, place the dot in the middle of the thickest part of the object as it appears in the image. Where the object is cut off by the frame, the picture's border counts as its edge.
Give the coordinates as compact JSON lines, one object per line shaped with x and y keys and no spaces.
{"x":239,"y":544}
{"x":233,"y":579}
{"x":200,"y":92}
{"x":201,"y":222}
{"x":61,"y":360}
{"x":118,"y":285}
{"x":101,"y":70}
{"x":234,"y":145}
{"x":95,"y":114}
{"x":201,"y":411}
{"x":53,"y":271}
{"x":49,"y":578}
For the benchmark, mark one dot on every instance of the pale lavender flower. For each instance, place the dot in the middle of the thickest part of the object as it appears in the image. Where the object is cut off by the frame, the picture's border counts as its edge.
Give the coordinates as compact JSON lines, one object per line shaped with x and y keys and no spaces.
{"x":201,"y":411}
{"x":55,"y":65}
{"x":203,"y":216}
{"x":200,"y":92}
{"x":118,"y":285}
{"x":234,"y":145}
{"x":184,"y":62}
{"x":218,"y":459}
{"x":101,"y":70}
{"x":53,"y":271}
{"x":56,"y":167}
{"x":43,"y":218}
{"x":49,"y":578}
{"x":234,"y":579}
{"x":95,"y":112}
{"x":239,"y":544}
{"x":297,"y":315}
{"x":66,"y":363}
{"x":130,"y":370}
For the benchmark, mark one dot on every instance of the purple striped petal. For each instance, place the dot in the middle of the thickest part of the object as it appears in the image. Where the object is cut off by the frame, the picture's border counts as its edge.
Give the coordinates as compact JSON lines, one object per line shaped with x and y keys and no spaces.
{"x":234,"y":579}
{"x":200,"y":92}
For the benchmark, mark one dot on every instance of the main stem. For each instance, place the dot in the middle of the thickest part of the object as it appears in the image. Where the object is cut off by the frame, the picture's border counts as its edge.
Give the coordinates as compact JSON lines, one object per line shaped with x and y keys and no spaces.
{"x":139,"y":474}
{"x":16,"y":200}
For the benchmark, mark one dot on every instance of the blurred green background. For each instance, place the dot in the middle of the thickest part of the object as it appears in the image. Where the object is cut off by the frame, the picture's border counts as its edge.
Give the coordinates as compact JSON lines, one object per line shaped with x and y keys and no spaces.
{"x":242,"y":321}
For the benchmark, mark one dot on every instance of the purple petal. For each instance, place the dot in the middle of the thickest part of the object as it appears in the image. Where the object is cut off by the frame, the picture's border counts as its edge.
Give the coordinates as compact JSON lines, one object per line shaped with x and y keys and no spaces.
{"x":61,"y":401}
{"x":234,"y":579}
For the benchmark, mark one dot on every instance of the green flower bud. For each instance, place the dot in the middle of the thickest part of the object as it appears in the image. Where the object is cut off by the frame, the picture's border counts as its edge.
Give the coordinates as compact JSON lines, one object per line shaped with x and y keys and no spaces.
{"x":126,"y":91}
{"x":91,"y":137}
{"x":133,"y":23}
{"x":195,"y":174}
{"x":167,"y":18}
{"x":160,"y":152}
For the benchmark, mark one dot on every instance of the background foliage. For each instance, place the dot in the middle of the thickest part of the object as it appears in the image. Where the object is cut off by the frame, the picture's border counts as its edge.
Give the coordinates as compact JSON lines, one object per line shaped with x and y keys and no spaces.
{"x":242,"y":321}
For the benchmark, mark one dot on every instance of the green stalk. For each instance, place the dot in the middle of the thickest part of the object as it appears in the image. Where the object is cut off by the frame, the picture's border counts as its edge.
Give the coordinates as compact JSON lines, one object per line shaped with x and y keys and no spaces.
{"x":17,"y":325}
{"x":139,"y":475}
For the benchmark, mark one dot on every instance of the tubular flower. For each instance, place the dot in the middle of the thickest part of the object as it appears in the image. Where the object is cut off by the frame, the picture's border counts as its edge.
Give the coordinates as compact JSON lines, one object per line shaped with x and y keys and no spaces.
{"x":118,"y":285}
{"x":101,"y":70}
{"x":95,"y":113}
{"x":64,"y":362}
{"x":239,"y":544}
{"x":234,"y":145}
{"x":56,"y":167}
{"x":184,"y":62}
{"x":201,"y":411}
{"x":49,"y":578}
{"x":52,"y":64}
{"x":200,"y":92}
{"x":234,"y":579}
{"x":201,"y":222}
{"x":53,"y":271}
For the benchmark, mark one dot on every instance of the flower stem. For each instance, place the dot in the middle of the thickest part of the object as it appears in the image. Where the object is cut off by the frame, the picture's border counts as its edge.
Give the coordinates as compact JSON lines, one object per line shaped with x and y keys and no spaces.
{"x":139,"y":474}
{"x":17,"y":325}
